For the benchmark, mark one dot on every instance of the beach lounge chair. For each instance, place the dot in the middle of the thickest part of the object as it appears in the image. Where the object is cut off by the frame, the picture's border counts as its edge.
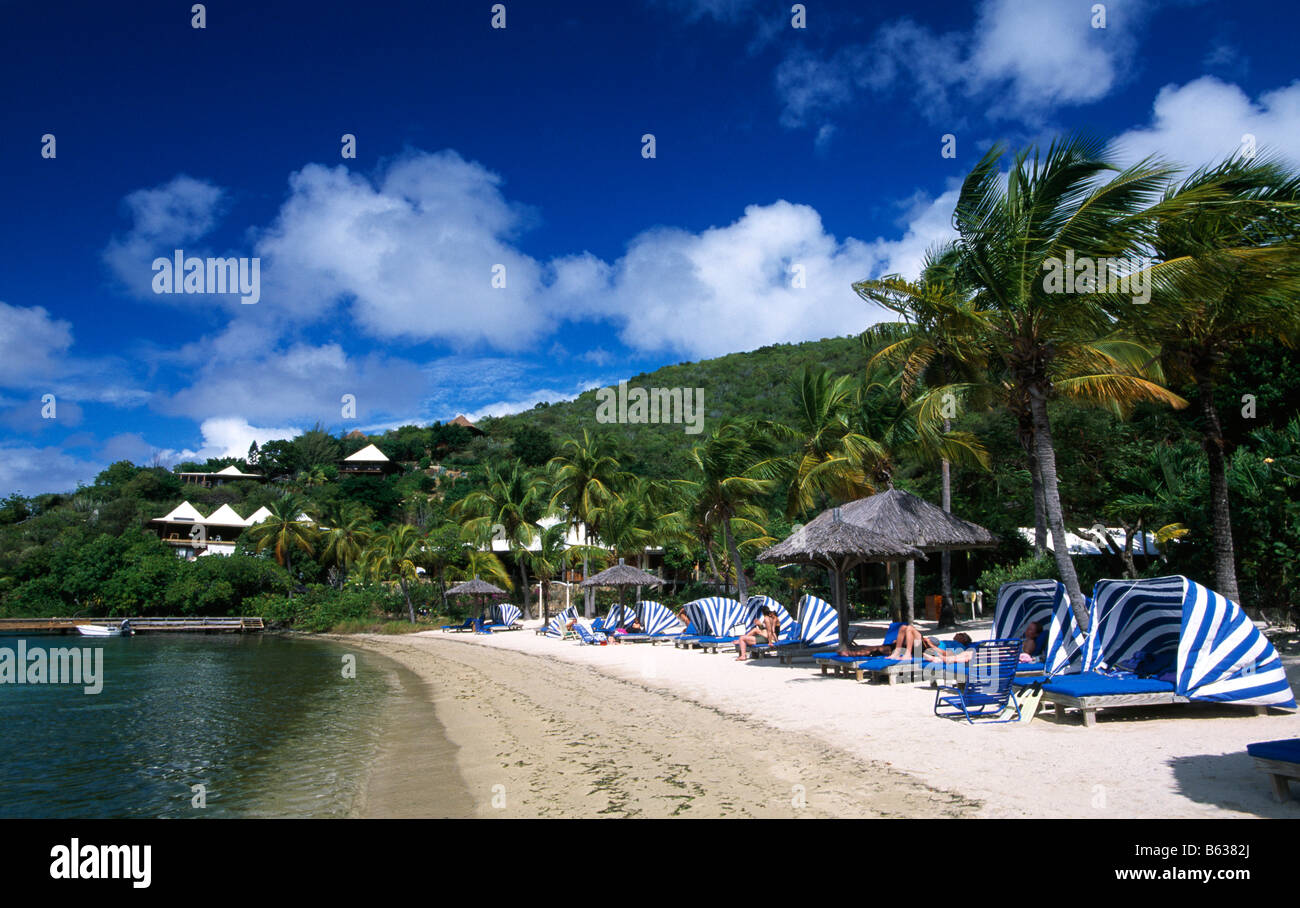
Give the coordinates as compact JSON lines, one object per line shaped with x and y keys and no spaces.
{"x":1211,"y":652}
{"x":712,"y":616}
{"x":466,"y":625}
{"x":986,"y":693}
{"x":1025,"y":601}
{"x":589,"y":637}
{"x":505,"y":617}
{"x":874,"y":668}
{"x":657,"y":621}
{"x":1280,"y":760}
{"x":713,"y":644}
{"x":819,"y":628}
{"x":558,"y":626}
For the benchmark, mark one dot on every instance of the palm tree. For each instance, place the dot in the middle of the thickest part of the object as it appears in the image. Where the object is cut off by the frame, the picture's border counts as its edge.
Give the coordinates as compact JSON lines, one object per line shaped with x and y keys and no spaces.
{"x":510,"y":508}
{"x":1228,"y":273}
{"x":553,"y":557}
{"x":585,"y":476}
{"x":394,"y":556}
{"x":736,"y":466}
{"x":346,"y":533}
{"x":1050,"y":210}
{"x":284,"y":530}
{"x":826,"y":464}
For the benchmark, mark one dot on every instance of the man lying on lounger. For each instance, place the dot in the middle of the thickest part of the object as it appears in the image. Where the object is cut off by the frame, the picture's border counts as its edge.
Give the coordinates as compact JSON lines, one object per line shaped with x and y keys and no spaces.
{"x":767,"y":627}
{"x":909,"y":640}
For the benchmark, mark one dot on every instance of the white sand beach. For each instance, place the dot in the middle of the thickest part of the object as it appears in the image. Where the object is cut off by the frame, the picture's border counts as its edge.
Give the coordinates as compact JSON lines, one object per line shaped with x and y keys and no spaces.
{"x":573,"y":730}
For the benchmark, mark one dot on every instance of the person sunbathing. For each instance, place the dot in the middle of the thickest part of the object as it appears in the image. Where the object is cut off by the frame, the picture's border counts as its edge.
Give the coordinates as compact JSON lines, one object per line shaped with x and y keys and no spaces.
{"x":767,"y":627}
{"x":909,"y":641}
{"x":937,"y":653}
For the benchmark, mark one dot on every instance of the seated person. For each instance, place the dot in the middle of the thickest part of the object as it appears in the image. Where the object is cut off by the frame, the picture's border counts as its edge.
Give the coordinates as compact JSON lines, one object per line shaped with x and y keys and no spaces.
{"x":1032,"y":651}
{"x":767,"y":627}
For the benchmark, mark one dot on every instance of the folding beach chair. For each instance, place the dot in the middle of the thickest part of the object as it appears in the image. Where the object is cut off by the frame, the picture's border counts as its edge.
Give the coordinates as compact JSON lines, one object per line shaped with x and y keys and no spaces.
{"x":986,"y":693}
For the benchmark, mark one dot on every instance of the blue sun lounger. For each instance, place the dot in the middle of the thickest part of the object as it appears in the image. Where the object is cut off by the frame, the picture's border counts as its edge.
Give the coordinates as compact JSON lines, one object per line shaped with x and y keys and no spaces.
{"x":1280,"y":760}
{"x":467,"y":625}
{"x":986,"y":692}
{"x":589,"y":637}
{"x":1198,"y":645}
{"x":712,"y":616}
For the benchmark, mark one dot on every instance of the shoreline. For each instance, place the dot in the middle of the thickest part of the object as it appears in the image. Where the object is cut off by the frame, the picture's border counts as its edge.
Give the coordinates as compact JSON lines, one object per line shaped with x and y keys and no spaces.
{"x":620,"y":730}
{"x":542,"y":737}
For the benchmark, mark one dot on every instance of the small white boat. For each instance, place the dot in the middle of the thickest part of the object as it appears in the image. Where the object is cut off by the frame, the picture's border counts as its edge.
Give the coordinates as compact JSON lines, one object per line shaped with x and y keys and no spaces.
{"x":99,"y":630}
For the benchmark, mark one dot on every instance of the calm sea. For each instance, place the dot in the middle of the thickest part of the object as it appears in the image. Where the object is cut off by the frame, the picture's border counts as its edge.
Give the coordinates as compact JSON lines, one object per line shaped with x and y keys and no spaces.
{"x":268,"y":725}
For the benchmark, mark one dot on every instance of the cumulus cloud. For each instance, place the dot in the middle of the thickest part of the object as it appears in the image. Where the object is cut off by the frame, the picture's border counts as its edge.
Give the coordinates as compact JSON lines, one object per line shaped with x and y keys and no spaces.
{"x":298,"y":382}
{"x":35,"y":470}
{"x":1205,"y":121}
{"x":226,"y":437}
{"x":31,"y":345}
{"x":413,"y":254}
{"x":163,"y":218}
{"x":1020,"y":59}
{"x":736,"y":287}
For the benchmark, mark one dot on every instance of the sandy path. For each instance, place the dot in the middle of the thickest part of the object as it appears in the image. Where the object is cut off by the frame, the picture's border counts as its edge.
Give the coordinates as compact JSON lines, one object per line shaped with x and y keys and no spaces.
{"x":544,"y":737}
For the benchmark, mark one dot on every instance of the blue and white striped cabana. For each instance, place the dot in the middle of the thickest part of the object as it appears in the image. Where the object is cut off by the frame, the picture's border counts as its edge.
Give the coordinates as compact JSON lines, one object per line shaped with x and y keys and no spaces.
{"x":1221,"y":655}
{"x":818,"y":622}
{"x":619,"y":616}
{"x":1044,"y":601}
{"x":754,"y":603}
{"x":505,"y":613}
{"x":656,"y":618}
{"x":714,"y":615}
{"x":556,"y":626}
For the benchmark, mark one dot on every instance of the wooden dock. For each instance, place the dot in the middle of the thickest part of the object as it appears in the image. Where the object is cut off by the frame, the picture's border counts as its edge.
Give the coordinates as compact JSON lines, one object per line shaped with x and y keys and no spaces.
{"x":194,"y":625}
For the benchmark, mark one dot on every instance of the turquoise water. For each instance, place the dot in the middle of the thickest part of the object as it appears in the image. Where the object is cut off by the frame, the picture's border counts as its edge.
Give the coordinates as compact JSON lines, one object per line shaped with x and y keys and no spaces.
{"x":268,"y":725}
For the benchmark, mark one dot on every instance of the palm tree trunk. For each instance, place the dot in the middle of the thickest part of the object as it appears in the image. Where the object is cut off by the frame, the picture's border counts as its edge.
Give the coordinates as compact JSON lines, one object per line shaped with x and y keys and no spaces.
{"x":588,"y":592}
{"x":1046,"y":456}
{"x":523,"y":576}
{"x":410,"y":607}
{"x":947,"y":618}
{"x":735,"y":560}
{"x":1225,"y":568}
{"x":1025,"y":431}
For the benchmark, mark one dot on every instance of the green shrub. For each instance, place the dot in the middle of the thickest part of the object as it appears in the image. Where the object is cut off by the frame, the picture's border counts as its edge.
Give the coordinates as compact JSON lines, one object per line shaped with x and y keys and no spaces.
{"x":1031,"y":568}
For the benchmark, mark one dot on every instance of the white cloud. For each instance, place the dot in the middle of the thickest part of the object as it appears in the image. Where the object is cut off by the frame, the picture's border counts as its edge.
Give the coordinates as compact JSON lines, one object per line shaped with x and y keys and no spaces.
{"x":35,"y":471}
{"x":1020,"y":59}
{"x":732,"y":288}
{"x":31,"y":345}
{"x":1204,"y":121}
{"x":412,"y":254}
{"x":298,"y":382}
{"x":227,"y":437}
{"x":164,"y":219}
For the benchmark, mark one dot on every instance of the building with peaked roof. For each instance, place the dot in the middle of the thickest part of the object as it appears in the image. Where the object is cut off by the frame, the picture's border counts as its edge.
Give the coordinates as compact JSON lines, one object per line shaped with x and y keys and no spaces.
{"x":369,"y":461}
{"x":194,"y":535}
{"x":220,"y":477}
{"x":460,"y":420}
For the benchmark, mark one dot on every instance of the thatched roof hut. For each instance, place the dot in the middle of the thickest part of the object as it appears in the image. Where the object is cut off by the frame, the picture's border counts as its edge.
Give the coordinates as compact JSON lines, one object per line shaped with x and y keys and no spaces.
{"x":622,"y":575}
{"x":476,"y":587}
{"x":833,"y":543}
{"x":906,"y":518}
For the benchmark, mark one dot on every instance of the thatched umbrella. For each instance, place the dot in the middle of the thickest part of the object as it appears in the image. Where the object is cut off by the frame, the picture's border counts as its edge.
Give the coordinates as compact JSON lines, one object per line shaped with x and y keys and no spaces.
{"x":622,"y":575}
{"x":830,"y":542}
{"x":906,"y":518}
{"x":476,"y":587}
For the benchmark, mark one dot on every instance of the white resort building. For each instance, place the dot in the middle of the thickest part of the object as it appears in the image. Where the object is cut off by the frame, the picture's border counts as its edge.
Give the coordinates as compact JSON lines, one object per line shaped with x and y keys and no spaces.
{"x":194,"y":535}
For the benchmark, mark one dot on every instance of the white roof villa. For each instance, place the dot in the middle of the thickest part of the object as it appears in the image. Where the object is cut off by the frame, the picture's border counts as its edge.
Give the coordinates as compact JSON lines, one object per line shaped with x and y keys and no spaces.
{"x":220,"y":477}
{"x":368,"y":461}
{"x":1143,"y":544}
{"x":194,"y":535}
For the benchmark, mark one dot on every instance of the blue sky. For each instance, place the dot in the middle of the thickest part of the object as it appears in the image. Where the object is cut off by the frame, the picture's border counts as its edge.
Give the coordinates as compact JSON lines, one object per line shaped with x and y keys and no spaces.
{"x":775,"y":146}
